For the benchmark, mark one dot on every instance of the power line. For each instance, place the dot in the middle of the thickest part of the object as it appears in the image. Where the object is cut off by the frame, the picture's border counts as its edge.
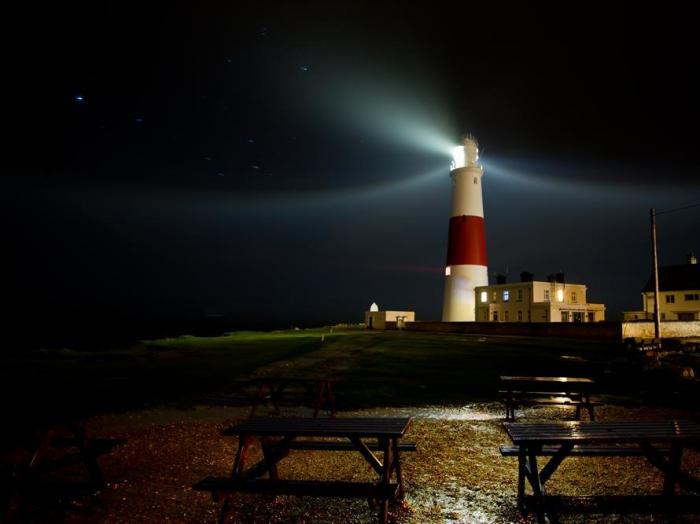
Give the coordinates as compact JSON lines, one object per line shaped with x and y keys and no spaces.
{"x":663,"y":212}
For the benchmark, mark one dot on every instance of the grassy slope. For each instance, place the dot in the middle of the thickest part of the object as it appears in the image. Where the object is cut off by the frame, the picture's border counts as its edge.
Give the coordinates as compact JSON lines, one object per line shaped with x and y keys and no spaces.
{"x":375,"y":368}
{"x":423,"y":368}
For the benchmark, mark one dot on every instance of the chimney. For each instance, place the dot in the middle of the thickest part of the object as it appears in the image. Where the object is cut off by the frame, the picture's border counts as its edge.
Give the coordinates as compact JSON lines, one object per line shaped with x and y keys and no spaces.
{"x":559,"y":277}
{"x":500,"y":279}
{"x":526,"y":276}
{"x":692,"y":259}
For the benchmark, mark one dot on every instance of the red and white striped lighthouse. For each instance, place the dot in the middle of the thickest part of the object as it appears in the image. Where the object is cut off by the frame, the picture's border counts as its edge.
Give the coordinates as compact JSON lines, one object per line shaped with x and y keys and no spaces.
{"x":466,"y":250}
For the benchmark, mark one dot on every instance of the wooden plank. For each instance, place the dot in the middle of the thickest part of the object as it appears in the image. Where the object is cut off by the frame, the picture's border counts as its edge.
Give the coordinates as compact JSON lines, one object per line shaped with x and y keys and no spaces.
{"x":319,"y":445}
{"x":315,"y":488}
{"x":631,"y":432}
{"x":369,"y":456}
{"x":336,"y":427}
{"x":559,"y":380}
{"x":587,"y":451}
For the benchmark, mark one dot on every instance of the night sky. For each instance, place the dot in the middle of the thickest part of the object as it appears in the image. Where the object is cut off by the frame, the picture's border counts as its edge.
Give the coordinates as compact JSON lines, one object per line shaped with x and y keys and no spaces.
{"x":287,"y":165}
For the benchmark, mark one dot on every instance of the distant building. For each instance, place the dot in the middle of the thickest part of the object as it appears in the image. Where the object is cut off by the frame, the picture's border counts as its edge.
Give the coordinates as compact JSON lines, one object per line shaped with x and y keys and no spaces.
{"x":376,"y":319}
{"x":679,"y":293}
{"x":535,"y":301}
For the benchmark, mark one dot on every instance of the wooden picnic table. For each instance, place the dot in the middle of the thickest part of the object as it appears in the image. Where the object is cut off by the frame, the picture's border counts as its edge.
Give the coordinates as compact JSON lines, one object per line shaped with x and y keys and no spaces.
{"x":560,"y":391}
{"x":661,"y":442}
{"x":58,"y":433}
{"x":278,"y":436}
{"x":278,"y":391}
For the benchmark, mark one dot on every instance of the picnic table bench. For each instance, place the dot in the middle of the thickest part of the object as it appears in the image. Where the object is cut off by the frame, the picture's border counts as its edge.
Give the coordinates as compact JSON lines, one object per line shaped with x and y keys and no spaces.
{"x":661,"y":442}
{"x":275,"y":392}
{"x":279,"y":391}
{"x":278,"y":436}
{"x":33,"y":458}
{"x":557,"y":391}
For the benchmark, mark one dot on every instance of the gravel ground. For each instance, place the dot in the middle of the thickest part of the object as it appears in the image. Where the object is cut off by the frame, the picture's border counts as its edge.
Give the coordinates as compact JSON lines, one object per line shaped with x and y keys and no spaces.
{"x":457,"y":474}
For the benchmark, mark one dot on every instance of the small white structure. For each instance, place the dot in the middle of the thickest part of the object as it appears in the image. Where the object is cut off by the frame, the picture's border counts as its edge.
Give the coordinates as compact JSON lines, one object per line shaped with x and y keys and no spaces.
{"x":375,"y":319}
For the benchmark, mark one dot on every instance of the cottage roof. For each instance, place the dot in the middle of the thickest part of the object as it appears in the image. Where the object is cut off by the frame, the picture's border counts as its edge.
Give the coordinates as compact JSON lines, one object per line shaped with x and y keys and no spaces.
{"x":676,"y":278}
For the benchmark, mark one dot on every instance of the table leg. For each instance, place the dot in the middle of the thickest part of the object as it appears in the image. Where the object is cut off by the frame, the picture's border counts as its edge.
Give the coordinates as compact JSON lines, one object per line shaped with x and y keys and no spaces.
{"x":318,"y":396}
{"x":522,"y":460}
{"x":87,"y":453}
{"x":397,"y":466}
{"x":673,"y":470}
{"x":276,"y":394}
{"x":589,"y":407}
{"x":535,"y":483}
{"x":386,"y":479}
{"x":225,"y":508}
{"x":239,"y":462}
{"x":330,"y":398}
{"x":666,"y":466}
{"x":259,"y":396}
{"x":269,"y":457}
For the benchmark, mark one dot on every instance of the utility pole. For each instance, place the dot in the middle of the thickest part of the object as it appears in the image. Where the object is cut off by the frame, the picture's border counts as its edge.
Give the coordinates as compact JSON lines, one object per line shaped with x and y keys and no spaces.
{"x":655,"y":257}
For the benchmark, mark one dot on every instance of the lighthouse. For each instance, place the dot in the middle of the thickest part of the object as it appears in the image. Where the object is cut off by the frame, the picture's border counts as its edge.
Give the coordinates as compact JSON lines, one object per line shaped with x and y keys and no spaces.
{"x":466,"y":250}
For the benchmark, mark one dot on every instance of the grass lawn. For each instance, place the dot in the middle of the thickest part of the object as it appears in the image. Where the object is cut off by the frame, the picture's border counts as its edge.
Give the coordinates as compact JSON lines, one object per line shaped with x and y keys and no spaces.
{"x":373,"y":367}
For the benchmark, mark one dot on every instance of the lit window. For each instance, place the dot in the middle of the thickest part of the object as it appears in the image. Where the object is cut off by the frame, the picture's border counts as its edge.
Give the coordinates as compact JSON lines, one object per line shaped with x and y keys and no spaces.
{"x":546,"y":295}
{"x":506,"y":296}
{"x":458,"y":157}
{"x":560,"y":295}
{"x":448,"y":270}
{"x":670,"y":299}
{"x":484,"y":296}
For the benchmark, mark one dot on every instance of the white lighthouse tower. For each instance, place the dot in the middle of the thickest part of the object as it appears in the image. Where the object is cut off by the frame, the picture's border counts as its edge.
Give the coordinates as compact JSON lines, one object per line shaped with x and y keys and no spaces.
{"x":466,"y":251}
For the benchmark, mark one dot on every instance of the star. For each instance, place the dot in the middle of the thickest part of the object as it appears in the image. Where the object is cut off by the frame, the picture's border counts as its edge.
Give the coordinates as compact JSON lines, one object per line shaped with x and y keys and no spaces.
{"x":138,"y":120}
{"x":304,"y":68}
{"x":79,"y":99}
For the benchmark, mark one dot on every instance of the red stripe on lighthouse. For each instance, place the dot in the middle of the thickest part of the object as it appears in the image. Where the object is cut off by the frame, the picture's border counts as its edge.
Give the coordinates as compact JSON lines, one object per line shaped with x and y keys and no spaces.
{"x":467,"y":242}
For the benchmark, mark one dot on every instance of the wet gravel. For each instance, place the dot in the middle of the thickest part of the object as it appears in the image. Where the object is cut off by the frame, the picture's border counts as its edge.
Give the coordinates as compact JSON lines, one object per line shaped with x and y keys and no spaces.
{"x":456,"y":475}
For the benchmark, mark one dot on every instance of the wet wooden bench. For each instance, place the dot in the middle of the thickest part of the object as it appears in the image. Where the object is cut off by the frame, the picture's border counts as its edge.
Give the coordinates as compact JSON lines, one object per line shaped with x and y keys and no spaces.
{"x":660,"y":442}
{"x":278,"y":436}
{"x":520,"y":391}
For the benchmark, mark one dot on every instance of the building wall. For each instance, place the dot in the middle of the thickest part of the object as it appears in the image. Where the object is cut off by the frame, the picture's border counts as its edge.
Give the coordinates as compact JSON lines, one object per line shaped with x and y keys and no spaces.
{"x":593,"y":330}
{"x":536,"y":302}
{"x":673,"y":305}
{"x":379,"y":319}
{"x":616,"y":331}
{"x":677,"y":329}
